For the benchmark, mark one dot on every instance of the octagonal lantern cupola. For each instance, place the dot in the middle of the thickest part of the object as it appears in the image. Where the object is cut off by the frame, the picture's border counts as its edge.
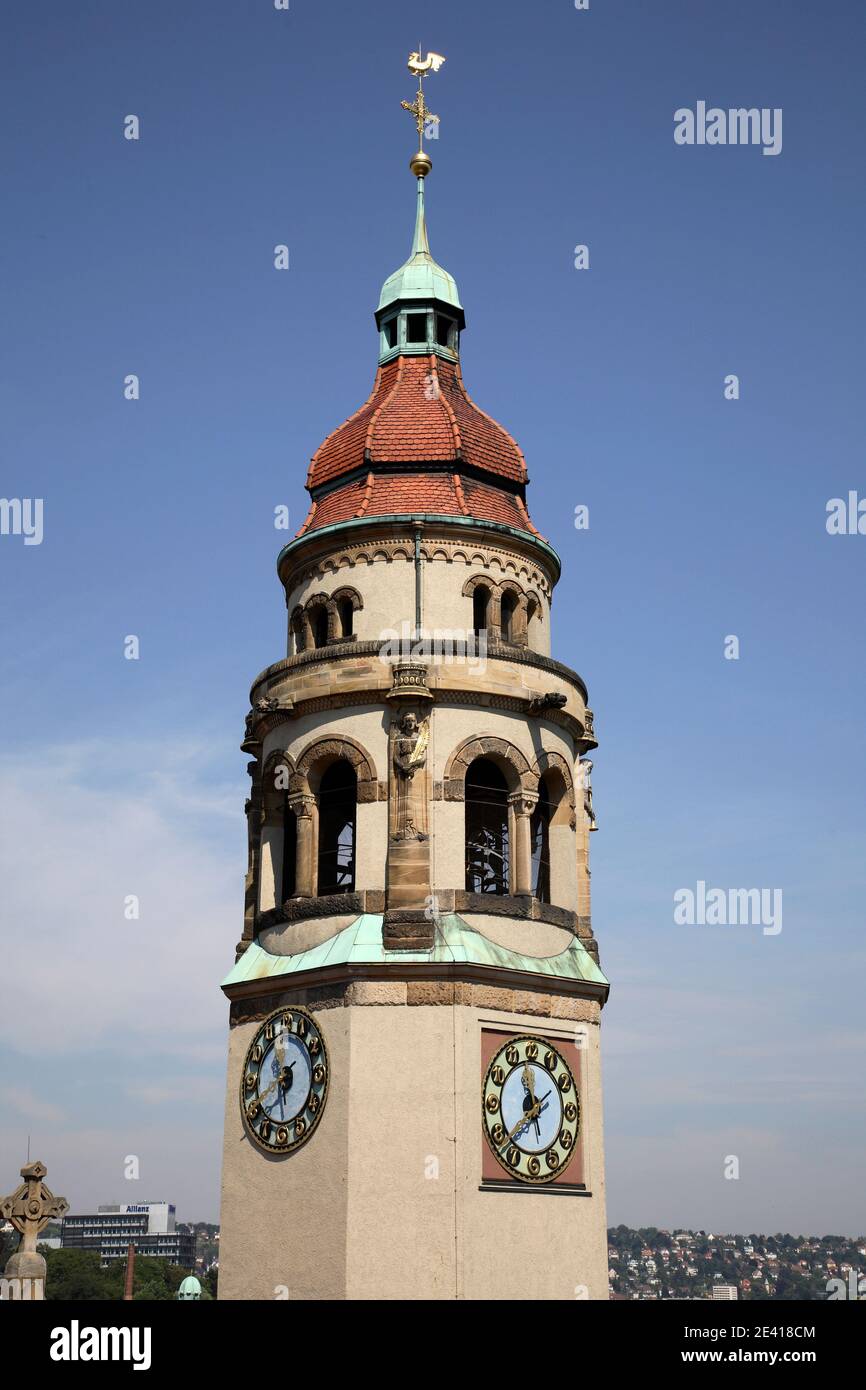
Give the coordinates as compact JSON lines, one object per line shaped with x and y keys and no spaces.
{"x":419,"y":308}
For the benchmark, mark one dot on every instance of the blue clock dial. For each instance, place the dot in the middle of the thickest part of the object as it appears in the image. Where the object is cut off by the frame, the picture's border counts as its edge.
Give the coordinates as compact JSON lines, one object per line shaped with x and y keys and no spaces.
{"x":531,"y":1109}
{"x":285,"y":1080}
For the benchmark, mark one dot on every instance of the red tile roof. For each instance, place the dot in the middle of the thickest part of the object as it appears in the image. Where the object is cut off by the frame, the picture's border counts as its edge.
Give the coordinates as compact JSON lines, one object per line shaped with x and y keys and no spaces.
{"x":444,"y":494}
{"x":418,"y":414}
{"x":418,"y":411}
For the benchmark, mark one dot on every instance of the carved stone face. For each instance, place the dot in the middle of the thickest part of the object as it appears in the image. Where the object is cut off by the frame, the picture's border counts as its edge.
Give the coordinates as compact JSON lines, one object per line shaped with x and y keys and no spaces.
{"x":409,"y":724}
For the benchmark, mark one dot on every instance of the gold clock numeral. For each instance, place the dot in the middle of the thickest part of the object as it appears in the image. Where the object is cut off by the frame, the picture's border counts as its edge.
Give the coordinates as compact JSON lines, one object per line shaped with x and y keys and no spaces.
{"x":318,"y":1075}
{"x":313,"y":1047}
{"x":570,"y":1111}
{"x":286,"y":1021}
{"x":552,"y":1158}
{"x":314,"y":1104}
{"x":265,"y":1129}
{"x":563,"y":1081}
{"x":253,"y":1109}
{"x":303,"y":1027}
{"x":250,"y":1081}
{"x":497,"y":1076}
{"x":532,"y":1051}
{"x":497,"y":1133}
{"x":282,"y":1135}
{"x":566,"y":1139}
{"x":270,"y":1031}
{"x":533,"y":1166}
{"x":511,"y":1054}
{"x":512,"y":1157}
{"x":300,"y":1127}
{"x":492,"y":1103}
{"x":257,"y":1053}
{"x":550,"y":1060}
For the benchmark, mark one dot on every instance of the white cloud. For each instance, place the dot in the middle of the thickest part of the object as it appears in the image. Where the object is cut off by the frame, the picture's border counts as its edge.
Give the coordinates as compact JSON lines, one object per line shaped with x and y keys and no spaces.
{"x":88,"y":827}
{"x":21,"y":1101}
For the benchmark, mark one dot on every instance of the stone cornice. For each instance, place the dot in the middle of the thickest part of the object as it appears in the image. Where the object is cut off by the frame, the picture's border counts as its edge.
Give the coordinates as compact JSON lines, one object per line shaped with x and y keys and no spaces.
{"x":462,"y":972}
{"x":343,"y":699}
{"x":520,"y":656}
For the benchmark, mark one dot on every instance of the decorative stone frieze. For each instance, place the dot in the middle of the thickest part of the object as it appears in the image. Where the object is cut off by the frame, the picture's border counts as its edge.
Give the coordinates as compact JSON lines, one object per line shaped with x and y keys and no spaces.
{"x":500,"y":562}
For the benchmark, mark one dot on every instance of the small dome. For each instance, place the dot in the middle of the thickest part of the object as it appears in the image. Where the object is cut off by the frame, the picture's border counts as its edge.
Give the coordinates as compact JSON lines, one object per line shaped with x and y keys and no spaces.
{"x":420,"y":278}
{"x":189,"y":1288}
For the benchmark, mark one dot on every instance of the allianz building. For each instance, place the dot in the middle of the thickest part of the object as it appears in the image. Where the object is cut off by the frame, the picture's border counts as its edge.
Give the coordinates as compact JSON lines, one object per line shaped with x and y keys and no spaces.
{"x":149,"y":1226}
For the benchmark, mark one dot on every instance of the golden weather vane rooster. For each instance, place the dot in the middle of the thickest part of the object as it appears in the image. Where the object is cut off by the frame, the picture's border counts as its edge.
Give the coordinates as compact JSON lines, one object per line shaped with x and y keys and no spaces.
{"x":422,"y":67}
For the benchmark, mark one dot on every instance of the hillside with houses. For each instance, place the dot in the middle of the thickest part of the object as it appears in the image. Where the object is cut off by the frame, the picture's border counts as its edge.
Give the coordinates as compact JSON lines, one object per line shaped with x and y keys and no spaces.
{"x":655,"y":1264}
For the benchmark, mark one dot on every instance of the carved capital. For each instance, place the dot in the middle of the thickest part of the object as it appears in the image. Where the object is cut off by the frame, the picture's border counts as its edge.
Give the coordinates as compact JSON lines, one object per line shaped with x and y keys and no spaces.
{"x":524,"y":802}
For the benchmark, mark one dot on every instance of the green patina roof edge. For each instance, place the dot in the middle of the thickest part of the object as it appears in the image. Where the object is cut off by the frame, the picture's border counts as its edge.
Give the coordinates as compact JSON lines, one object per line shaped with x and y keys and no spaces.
{"x":409,"y":518}
{"x":458,"y":942}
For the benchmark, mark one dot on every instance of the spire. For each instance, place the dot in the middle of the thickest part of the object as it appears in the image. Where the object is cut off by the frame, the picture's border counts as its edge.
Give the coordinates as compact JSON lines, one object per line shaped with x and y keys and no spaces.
{"x":420,"y":285}
{"x":420,"y":244}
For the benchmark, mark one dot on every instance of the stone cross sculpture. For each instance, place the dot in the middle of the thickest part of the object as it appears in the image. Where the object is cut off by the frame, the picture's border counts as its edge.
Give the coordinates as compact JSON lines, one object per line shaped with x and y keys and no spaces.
{"x":30,"y":1208}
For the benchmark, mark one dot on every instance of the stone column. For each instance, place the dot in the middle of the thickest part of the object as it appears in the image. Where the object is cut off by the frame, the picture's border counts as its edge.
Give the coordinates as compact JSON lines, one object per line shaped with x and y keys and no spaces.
{"x":522,"y":804}
{"x":270,"y":857}
{"x":253,"y":809}
{"x":408,"y":923}
{"x":303,"y":807}
{"x":520,"y":622}
{"x":494,"y":614}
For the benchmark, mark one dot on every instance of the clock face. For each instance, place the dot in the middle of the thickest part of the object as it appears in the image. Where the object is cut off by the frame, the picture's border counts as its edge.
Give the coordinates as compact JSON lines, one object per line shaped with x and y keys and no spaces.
{"x":531,"y":1110}
{"x":285,"y":1081}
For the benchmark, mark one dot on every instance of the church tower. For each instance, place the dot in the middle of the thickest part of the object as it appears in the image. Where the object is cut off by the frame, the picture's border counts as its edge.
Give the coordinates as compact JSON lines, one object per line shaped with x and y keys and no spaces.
{"x":413,"y":1105}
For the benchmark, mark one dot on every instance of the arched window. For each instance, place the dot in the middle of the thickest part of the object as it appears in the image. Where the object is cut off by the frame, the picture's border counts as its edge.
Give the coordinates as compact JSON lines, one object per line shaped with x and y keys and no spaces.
{"x":507,"y":607}
{"x":290,"y":850}
{"x":480,"y":605}
{"x":319,"y":625}
{"x":346,"y":609}
{"x":487,"y":849}
{"x":337,"y":800}
{"x":539,"y":832}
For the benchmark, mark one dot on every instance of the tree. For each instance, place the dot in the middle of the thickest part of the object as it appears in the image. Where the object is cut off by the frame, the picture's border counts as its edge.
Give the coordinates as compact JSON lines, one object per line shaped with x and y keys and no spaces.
{"x":156,"y":1281}
{"x":8,"y":1245}
{"x":76,"y":1275}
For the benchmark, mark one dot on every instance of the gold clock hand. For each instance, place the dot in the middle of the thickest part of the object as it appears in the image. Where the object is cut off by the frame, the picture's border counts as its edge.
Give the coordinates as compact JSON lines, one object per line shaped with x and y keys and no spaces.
{"x":527,"y":1119}
{"x":260,"y":1097}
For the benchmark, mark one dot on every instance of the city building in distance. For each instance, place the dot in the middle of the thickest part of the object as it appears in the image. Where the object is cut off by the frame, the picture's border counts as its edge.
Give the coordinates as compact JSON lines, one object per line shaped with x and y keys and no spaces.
{"x":150,"y":1226}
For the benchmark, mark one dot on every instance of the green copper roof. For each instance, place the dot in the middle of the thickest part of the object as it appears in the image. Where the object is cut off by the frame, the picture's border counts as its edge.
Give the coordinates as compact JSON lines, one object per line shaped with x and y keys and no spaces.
{"x":456,"y":941}
{"x":420,"y":278}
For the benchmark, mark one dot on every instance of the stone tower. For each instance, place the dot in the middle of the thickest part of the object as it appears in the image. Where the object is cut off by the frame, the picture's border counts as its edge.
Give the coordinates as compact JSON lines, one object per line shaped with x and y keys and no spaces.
{"x":413,"y":1103}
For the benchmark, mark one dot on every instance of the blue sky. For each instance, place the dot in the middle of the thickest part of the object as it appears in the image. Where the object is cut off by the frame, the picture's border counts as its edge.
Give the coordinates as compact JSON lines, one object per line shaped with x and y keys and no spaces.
{"x":707,"y":518}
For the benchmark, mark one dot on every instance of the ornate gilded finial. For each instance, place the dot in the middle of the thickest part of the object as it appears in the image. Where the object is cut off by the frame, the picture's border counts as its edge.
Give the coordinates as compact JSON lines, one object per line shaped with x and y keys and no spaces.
{"x":421,"y":163}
